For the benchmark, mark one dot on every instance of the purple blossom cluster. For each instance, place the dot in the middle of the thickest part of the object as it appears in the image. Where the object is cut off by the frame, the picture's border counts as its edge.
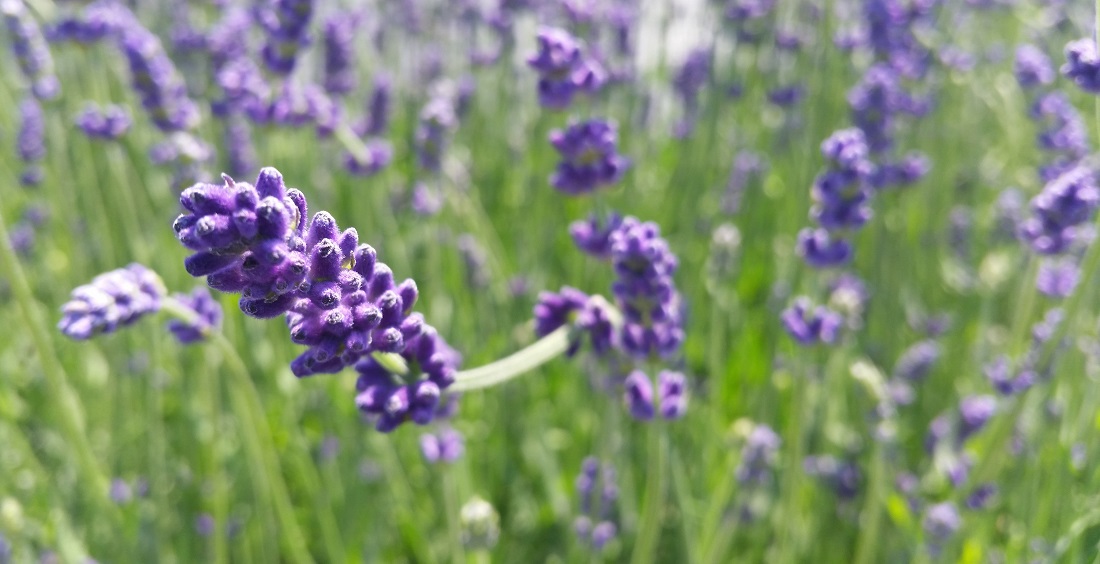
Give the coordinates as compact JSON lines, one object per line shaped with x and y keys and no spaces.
{"x":1062,"y":133}
{"x":436,"y":124}
{"x":564,"y":69}
{"x":574,"y":308}
{"x":112,"y":300}
{"x":590,"y":158}
{"x":841,"y":200}
{"x":595,"y":525}
{"x":339,"y":38}
{"x":31,"y":142}
{"x":339,"y":300}
{"x":841,"y":476}
{"x":948,"y":434}
{"x":108,"y":123}
{"x":758,"y":456}
{"x":159,"y":85}
{"x":31,"y":49}
{"x":286,"y":23}
{"x":207,"y":316}
{"x":671,"y":395}
{"x":1059,"y":210}
{"x":645,"y":291}
{"x":1083,"y":65}
{"x":1032,"y":67}
{"x":810,"y":325}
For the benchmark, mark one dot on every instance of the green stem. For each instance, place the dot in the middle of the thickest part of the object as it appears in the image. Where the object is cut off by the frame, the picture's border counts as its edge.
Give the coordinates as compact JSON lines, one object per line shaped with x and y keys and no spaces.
{"x":646,"y":541}
{"x":261,"y":450}
{"x":871,"y":519}
{"x":67,"y":405}
{"x":450,"y":505}
{"x":538,"y":353}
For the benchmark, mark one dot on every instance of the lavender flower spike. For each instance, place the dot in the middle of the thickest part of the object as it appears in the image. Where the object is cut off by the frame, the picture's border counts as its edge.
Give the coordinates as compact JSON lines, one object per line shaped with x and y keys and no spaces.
{"x":31,"y":49}
{"x":1065,"y":203}
{"x":158,"y":84}
{"x":108,"y":123}
{"x":1083,"y":65}
{"x":809,"y":325}
{"x":208,"y":316}
{"x":672,"y":394}
{"x":339,"y":35}
{"x":112,"y":300}
{"x":645,"y":291}
{"x":31,"y":142}
{"x":590,"y":157}
{"x":286,"y":22}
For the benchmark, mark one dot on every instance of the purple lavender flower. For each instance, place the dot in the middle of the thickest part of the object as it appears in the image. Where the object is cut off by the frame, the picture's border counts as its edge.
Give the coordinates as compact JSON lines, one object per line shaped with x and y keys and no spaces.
{"x":593,"y":236}
{"x":31,"y":143}
{"x":563,"y":69}
{"x":97,"y":21}
{"x":339,"y":36}
{"x":981,"y":497}
{"x":240,"y":152}
{"x":1057,"y":279}
{"x":596,"y":475}
{"x":638,"y":395}
{"x":917,"y":361}
{"x":379,"y":155}
{"x":786,"y":96}
{"x":692,"y":75}
{"x":942,"y":520}
{"x":205,"y":524}
{"x":445,"y":446}
{"x":1064,"y":204}
{"x":223,"y":41}
{"x":378,"y":107}
{"x":286,"y":22}
{"x":821,"y":249}
{"x":1032,"y":67}
{"x":1000,"y":376}
{"x":1083,"y":65}
{"x":842,"y":194}
{"x":645,"y":291}
{"x":207,"y":316}
{"x":1061,"y":131}
{"x":758,"y":456}
{"x":974,"y":412}
{"x":554,"y":310}
{"x":590,"y":157}
{"x":843,"y":477}
{"x":425,"y":201}
{"x":876,"y":101}
{"x":414,"y":395}
{"x":437,"y":121}
{"x":31,"y":49}
{"x":809,"y":325}
{"x":672,"y":394}
{"x":112,"y":300}
{"x":158,"y":84}
{"x":108,"y":123}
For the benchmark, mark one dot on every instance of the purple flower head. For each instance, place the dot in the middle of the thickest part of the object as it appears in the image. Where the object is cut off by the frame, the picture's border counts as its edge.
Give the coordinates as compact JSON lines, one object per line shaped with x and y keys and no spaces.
{"x":638,"y":395}
{"x":98,"y":20}
{"x":120,"y":491}
{"x":821,"y":249}
{"x":589,"y":157}
{"x":917,"y":361}
{"x":786,"y":96}
{"x":112,"y":300}
{"x":1044,"y":330}
{"x":445,"y":446}
{"x":30,"y":49}
{"x":758,"y":456}
{"x":693,"y":75}
{"x":154,"y":77}
{"x":286,"y":23}
{"x":876,"y":101}
{"x":974,"y":412}
{"x":1057,"y":278}
{"x":430,"y":366}
{"x":1064,"y":204}
{"x":1083,"y":65}
{"x":425,"y":201}
{"x":555,"y":310}
{"x":223,"y":42}
{"x":843,"y":477}
{"x":437,"y":122}
{"x":339,"y":37}
{"x":942,"y":520}
{"x":1000,"y":376}
{"x":379,"y":155}
{"x":31,"y":143}
{"x":207,"y":316}
{"x":672,"y":394}
{"x":563,"y":69}
{"x":593,"y":476}
{"x":1061,"y":130}
{"x":379,"y":105}
{"x":593,"y":235}
{"x":645,"y":291}
{"x":1032,"y":67}
{"x":108,"y":123}
{"x":809,"y":325}
{"x":911,"y":168}
{"x":981,"y":497}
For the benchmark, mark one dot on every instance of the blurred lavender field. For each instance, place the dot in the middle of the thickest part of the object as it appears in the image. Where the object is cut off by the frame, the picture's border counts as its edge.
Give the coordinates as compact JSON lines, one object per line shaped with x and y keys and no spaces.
{"x":549,"y":281}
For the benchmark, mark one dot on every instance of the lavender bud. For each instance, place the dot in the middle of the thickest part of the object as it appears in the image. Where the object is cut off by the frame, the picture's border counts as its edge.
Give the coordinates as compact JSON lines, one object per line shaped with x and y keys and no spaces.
{"x":112,"y":300}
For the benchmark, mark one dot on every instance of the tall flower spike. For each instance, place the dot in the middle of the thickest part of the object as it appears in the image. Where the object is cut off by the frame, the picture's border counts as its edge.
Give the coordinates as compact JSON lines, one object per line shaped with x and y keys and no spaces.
{"x":339,"y":36}
{"x":31,"y":141}
{"x":809,"y":325}
{"x":208,"y":316}
{"x":108,"y":123}
{"x":645,"y":291}
{"x":286,"y":22}
{"x":112,"y":300}
{"x":158,"y":84}
{"x":31,"y":49}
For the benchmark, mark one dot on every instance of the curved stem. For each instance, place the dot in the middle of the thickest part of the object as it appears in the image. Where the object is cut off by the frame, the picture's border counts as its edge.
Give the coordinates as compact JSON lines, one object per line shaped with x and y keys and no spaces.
{"x":646,"y":541}
{"x":538,"y":353}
